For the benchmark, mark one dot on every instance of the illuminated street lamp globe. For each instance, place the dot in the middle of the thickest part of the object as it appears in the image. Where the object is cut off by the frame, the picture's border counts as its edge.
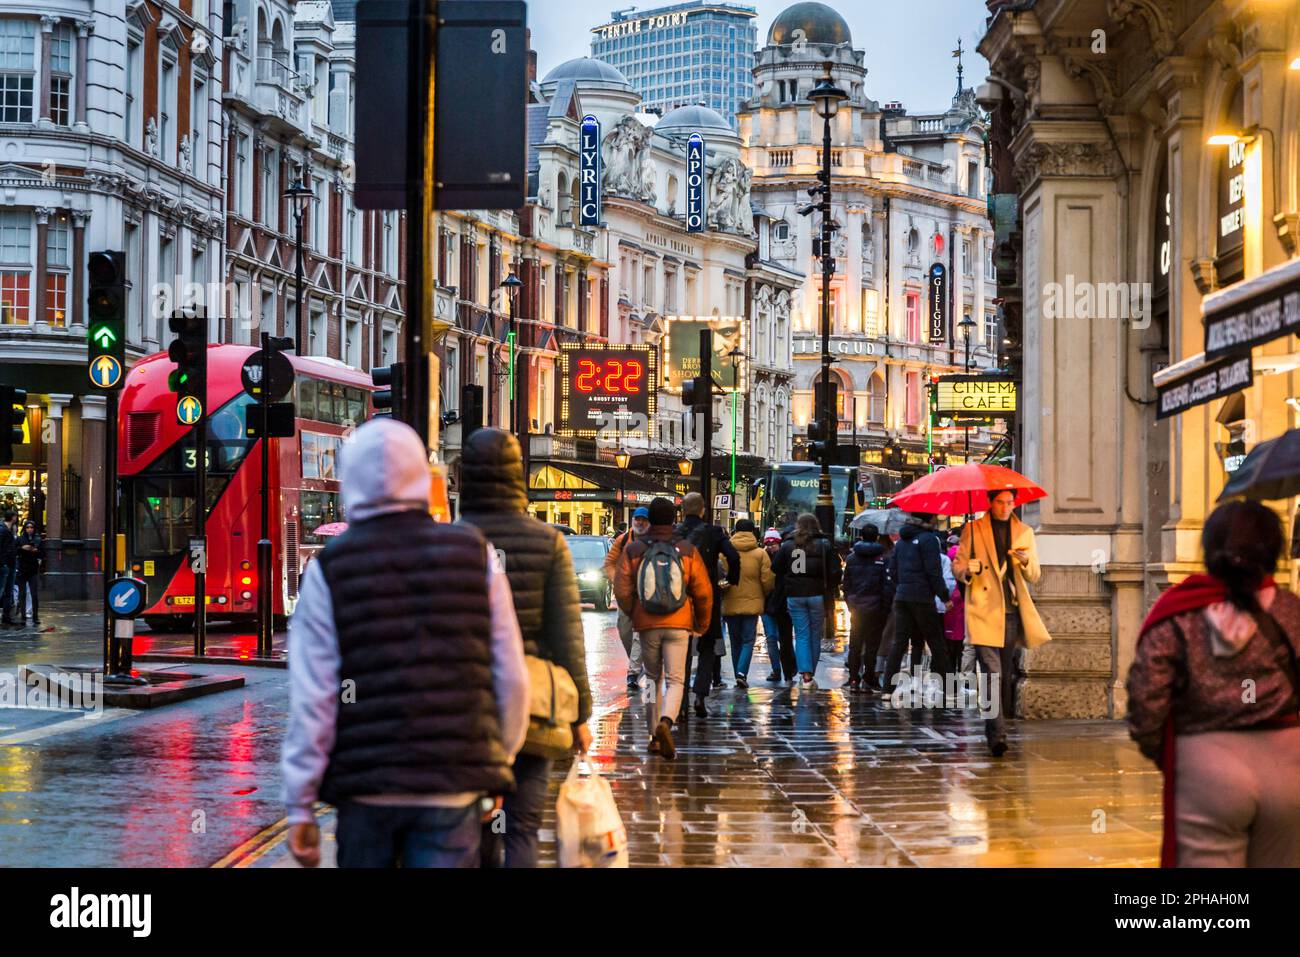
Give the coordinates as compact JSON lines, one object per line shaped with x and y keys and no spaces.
{"x":684,"y":465}
{"x":622,"y":458}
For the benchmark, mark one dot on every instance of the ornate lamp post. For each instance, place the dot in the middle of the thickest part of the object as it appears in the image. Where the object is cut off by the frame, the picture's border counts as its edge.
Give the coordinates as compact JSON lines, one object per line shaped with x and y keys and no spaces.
{"x":511,"y":285}
{"x":298,"y":194}
{"x":826,"y":98}
{"x":622,"y":459}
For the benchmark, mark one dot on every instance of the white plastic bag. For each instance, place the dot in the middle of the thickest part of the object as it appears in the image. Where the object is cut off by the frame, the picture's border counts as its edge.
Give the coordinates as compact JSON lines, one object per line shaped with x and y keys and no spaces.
{"x":589,"y":829}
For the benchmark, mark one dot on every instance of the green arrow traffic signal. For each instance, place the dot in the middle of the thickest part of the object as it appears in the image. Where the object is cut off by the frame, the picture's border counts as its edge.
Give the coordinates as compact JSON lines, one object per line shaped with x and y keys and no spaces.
{"x":103,"y":337}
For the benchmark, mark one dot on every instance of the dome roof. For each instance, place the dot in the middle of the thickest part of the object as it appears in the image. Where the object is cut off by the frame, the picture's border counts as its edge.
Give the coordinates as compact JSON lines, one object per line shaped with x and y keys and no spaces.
{"x":586,"y":70}
{"x":695,"y":119}
{"x":819,"y":23}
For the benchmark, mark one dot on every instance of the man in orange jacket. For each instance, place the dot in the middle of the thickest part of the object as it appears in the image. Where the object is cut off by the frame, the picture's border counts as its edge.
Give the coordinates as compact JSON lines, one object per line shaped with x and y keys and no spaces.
{"x":665,"y":637}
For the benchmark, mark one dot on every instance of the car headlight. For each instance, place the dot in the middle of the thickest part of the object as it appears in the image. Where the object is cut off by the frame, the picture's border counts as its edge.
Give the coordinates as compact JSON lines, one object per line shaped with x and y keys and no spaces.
{"x":590,"y":576}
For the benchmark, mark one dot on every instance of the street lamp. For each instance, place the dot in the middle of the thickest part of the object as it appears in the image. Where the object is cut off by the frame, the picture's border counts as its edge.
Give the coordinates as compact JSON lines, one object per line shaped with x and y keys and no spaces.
{"x":826,"y":98}
{"x":735,"y":355}
{"x":684,"y":466}
{"x":623,"y":460}
{"x":298,"y":194}
{"x":511,"y":285}
{"x":967,"y":327}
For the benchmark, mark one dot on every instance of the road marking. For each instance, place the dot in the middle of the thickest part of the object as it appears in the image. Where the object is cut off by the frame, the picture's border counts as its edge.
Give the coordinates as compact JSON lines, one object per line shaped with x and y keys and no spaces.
{"x":62,"y":727}
{"x":263,"y":842}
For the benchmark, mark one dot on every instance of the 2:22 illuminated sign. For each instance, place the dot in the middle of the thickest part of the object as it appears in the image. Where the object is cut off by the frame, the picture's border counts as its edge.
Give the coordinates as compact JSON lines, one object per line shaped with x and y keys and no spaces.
{"x":604,"y":383}
{"x":612,"y":376}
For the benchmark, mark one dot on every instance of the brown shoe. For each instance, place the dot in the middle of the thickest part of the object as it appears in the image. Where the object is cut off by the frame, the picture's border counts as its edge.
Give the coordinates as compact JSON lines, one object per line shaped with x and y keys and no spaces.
{"x":664,"y":738}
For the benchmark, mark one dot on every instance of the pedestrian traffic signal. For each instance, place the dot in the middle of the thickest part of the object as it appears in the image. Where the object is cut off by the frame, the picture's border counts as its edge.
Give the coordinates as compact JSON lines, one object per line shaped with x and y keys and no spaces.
{"x":281,"y":421}
{"x":696,"y":393}
{"x":106,"y":319}
{"x":13,"y":413}
{"x":189,"y":350}
{"x":389,"y":401}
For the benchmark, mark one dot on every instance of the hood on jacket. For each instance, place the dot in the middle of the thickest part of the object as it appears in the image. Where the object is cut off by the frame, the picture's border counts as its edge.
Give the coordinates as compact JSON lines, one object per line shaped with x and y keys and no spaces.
{"x":909,"y":531}
{"x":744,"y":541}
{"x":1230,"y":627}
{"x":868,"y":550}
{"x":383,"y":468}
{"x":492,"y":473}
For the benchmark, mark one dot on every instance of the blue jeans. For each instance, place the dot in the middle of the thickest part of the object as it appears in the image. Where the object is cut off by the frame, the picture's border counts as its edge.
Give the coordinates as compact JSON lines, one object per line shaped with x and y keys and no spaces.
{"x":523,"y":809}
{"x":809,"y":617}
{"x":371,"y":835}
{"x":741,"y":632}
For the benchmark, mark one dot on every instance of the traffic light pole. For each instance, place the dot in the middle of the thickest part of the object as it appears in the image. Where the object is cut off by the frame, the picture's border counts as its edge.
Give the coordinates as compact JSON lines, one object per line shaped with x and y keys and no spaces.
{"x":706,"y":442}
{"x":200,"y":524}
{"x":111,"y":641}
{"x":265,"y":622}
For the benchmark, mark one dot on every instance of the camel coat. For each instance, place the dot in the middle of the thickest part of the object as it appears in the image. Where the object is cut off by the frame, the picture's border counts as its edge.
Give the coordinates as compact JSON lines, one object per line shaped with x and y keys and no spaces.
{"x":985,"y":598}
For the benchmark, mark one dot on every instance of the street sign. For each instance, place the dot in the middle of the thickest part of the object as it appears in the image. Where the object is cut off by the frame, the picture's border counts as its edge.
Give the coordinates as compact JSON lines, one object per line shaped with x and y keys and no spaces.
{"x":189,"y":410}
{"x":106,"y":372}
{"x":126,"y":597}
{"x":199,"y":556}
{"x":722,"y":501}
{"x":279,"y":377}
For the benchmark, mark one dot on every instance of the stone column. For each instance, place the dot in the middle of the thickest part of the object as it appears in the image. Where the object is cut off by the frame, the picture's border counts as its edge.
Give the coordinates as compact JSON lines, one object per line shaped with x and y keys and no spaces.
{"x":43,"y":214}
{"x":48,"y":23}
{"x":54,"y":467}
{"x":84,"y":29}
{"x":77,"y":306}
{"x":94,"y":409}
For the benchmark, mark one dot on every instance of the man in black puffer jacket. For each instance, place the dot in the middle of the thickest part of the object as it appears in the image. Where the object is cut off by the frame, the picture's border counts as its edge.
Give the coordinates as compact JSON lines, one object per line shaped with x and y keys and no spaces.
{"x":869,"y":593}
{"x":919,"y":581}
{"x":494,"y":499}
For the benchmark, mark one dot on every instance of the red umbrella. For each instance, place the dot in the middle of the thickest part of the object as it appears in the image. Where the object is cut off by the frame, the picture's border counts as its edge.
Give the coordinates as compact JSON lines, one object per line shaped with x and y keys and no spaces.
{"x":332,"y":528}
{"x":963,"y":489}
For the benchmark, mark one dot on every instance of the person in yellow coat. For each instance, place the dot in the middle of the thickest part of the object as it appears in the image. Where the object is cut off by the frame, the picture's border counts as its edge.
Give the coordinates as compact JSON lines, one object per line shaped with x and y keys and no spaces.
{"x":998,"y":560}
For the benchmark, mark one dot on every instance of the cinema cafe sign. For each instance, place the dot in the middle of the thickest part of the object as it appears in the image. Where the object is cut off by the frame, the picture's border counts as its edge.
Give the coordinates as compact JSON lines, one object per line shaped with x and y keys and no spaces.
{"x":960,"y":395}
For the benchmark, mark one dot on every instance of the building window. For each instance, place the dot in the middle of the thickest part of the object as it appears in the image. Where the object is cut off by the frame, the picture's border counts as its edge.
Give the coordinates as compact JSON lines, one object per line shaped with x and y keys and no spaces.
{"x":270,"y":194}
{"x":991,"y":331}
{"x":913,"y":317}
{"x":134,"y":57}
{"x":58,"y":261}
{"x":17,"y":70}
{"x":167,"y":105}
{"x":15,"y":267}
{"x":913,"y":398}
{"x":870,"y":312}
{"x":61,"y":75}
{"x":243,"y":175}
{"x":781,"y":231}
{"x":15,"y":293}
{"x":199,"y":117}
{"x":876,"y":401}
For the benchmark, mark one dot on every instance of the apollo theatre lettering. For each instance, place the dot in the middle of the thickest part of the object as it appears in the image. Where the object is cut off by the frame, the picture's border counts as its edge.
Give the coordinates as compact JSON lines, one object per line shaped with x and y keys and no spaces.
{"x":695,"y":173}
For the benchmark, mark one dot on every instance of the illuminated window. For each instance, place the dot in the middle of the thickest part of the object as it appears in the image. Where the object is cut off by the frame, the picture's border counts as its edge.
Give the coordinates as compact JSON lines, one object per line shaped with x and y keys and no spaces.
{"x":56,"y":298}
{"x":913,"y":317}
{"x":15,"y":297}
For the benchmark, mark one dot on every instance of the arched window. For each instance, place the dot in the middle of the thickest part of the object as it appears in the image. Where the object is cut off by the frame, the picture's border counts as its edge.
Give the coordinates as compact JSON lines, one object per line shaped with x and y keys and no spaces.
{"x":876,"y":400}
{"x":563,"y":200}
{"x":672,"y":194}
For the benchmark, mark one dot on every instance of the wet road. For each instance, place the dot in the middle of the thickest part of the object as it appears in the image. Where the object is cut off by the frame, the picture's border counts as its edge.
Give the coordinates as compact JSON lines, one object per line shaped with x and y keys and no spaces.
{"x":773,"y":778}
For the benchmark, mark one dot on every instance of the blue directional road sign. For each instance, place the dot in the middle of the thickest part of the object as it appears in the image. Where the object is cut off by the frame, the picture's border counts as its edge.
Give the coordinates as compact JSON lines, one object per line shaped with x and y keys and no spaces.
{"x":189,"y":410}
{"x":105,"y":372}
{"x":126,"y":597}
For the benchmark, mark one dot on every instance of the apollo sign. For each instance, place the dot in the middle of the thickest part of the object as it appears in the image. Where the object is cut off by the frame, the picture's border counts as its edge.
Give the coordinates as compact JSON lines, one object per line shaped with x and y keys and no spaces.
{"x":589,"y":171}
{"x":695,"y":174}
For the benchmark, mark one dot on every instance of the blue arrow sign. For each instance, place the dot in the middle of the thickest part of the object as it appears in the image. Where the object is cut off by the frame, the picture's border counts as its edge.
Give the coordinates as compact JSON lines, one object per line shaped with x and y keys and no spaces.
{"x":189,"y":410}
{"x":126,"y":597}
{"x":105,"y":372}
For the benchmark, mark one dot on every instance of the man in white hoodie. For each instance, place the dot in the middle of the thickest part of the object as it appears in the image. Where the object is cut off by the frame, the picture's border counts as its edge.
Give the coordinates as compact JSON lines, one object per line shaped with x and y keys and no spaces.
{"x":408,"y":687}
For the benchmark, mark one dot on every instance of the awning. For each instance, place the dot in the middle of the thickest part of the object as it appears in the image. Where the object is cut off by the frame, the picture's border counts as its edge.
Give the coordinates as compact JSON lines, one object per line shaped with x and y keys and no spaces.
{"x":1195,"y":381}
{"x":1252,"y":312}
{"x":609,"y":481}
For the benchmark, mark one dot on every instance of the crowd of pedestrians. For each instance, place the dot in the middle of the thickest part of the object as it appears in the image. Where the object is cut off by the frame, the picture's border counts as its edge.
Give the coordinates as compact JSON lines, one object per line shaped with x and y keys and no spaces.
{"x":416,"y":647}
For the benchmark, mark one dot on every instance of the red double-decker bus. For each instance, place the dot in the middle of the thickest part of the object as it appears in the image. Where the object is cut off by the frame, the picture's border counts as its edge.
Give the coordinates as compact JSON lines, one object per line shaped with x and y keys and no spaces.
{"x":156,"y":468}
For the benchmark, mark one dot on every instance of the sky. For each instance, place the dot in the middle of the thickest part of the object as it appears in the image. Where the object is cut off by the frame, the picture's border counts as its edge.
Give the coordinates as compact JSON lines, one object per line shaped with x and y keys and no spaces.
{"x":908,"y":43}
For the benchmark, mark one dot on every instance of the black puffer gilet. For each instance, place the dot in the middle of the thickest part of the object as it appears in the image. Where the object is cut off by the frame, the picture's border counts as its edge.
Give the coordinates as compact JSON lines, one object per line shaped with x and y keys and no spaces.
{"x":412,"y":614}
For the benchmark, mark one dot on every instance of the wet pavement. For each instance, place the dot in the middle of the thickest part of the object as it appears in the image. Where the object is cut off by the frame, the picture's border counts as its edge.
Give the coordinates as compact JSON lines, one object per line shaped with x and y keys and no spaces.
{"x":774,"y":777}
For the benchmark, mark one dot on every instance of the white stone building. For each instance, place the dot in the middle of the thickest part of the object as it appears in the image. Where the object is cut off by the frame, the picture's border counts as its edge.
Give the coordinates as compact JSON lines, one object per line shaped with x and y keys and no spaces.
{"x":907,"y":191}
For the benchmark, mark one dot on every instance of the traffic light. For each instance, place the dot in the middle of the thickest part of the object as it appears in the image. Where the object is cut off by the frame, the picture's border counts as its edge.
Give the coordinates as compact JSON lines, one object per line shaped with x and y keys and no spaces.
{"x":696,"y":393}
{"x":390,"y":401}
{"x":280,"y":420}
{"x":471,"y":409}
{"x":13,"y":413}
{"x":818,"y":448}
{"x":189,"y":350}
{"x":106,"y":325}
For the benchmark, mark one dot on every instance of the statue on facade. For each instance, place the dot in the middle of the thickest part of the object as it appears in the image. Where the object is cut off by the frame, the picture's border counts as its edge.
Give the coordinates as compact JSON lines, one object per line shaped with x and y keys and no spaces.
{"x":186,"y":154}
{"x":729,"y":208}
{"x":151,"y":137}
{"x":626,"y":146}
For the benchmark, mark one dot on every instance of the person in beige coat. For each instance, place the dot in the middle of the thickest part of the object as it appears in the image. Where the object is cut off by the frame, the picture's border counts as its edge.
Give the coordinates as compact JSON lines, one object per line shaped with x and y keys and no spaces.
{"x":998,"y":561}
{"x":744,"y":600}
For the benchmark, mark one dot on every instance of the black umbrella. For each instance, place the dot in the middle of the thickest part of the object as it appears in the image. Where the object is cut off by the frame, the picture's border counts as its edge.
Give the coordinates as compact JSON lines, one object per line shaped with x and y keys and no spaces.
{"x":1271,"y":470}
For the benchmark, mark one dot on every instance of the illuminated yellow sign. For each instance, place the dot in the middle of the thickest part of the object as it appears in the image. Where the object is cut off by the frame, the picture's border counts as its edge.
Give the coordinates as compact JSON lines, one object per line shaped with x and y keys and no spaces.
{"x":971,"y":396}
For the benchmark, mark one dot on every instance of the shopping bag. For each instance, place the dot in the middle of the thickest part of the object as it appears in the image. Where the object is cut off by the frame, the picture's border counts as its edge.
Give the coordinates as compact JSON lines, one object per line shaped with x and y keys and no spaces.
{"x":588,"y":828}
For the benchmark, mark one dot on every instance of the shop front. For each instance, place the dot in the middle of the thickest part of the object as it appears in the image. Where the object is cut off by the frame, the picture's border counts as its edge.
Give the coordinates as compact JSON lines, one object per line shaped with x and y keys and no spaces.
{"x":588,"y":497}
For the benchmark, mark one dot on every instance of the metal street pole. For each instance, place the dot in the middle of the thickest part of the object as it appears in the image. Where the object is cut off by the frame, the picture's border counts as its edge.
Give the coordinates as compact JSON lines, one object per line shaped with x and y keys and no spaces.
{"x":200,"y":525}
{"x":110,"y":527}
{"x":706,"y":442}
{"x":298,"y":340}
{"x":265,"y":621}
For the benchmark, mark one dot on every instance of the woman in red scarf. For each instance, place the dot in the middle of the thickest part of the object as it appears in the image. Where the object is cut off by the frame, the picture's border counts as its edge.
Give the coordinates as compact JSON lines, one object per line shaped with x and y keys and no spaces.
{"x":1213,"y":700}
